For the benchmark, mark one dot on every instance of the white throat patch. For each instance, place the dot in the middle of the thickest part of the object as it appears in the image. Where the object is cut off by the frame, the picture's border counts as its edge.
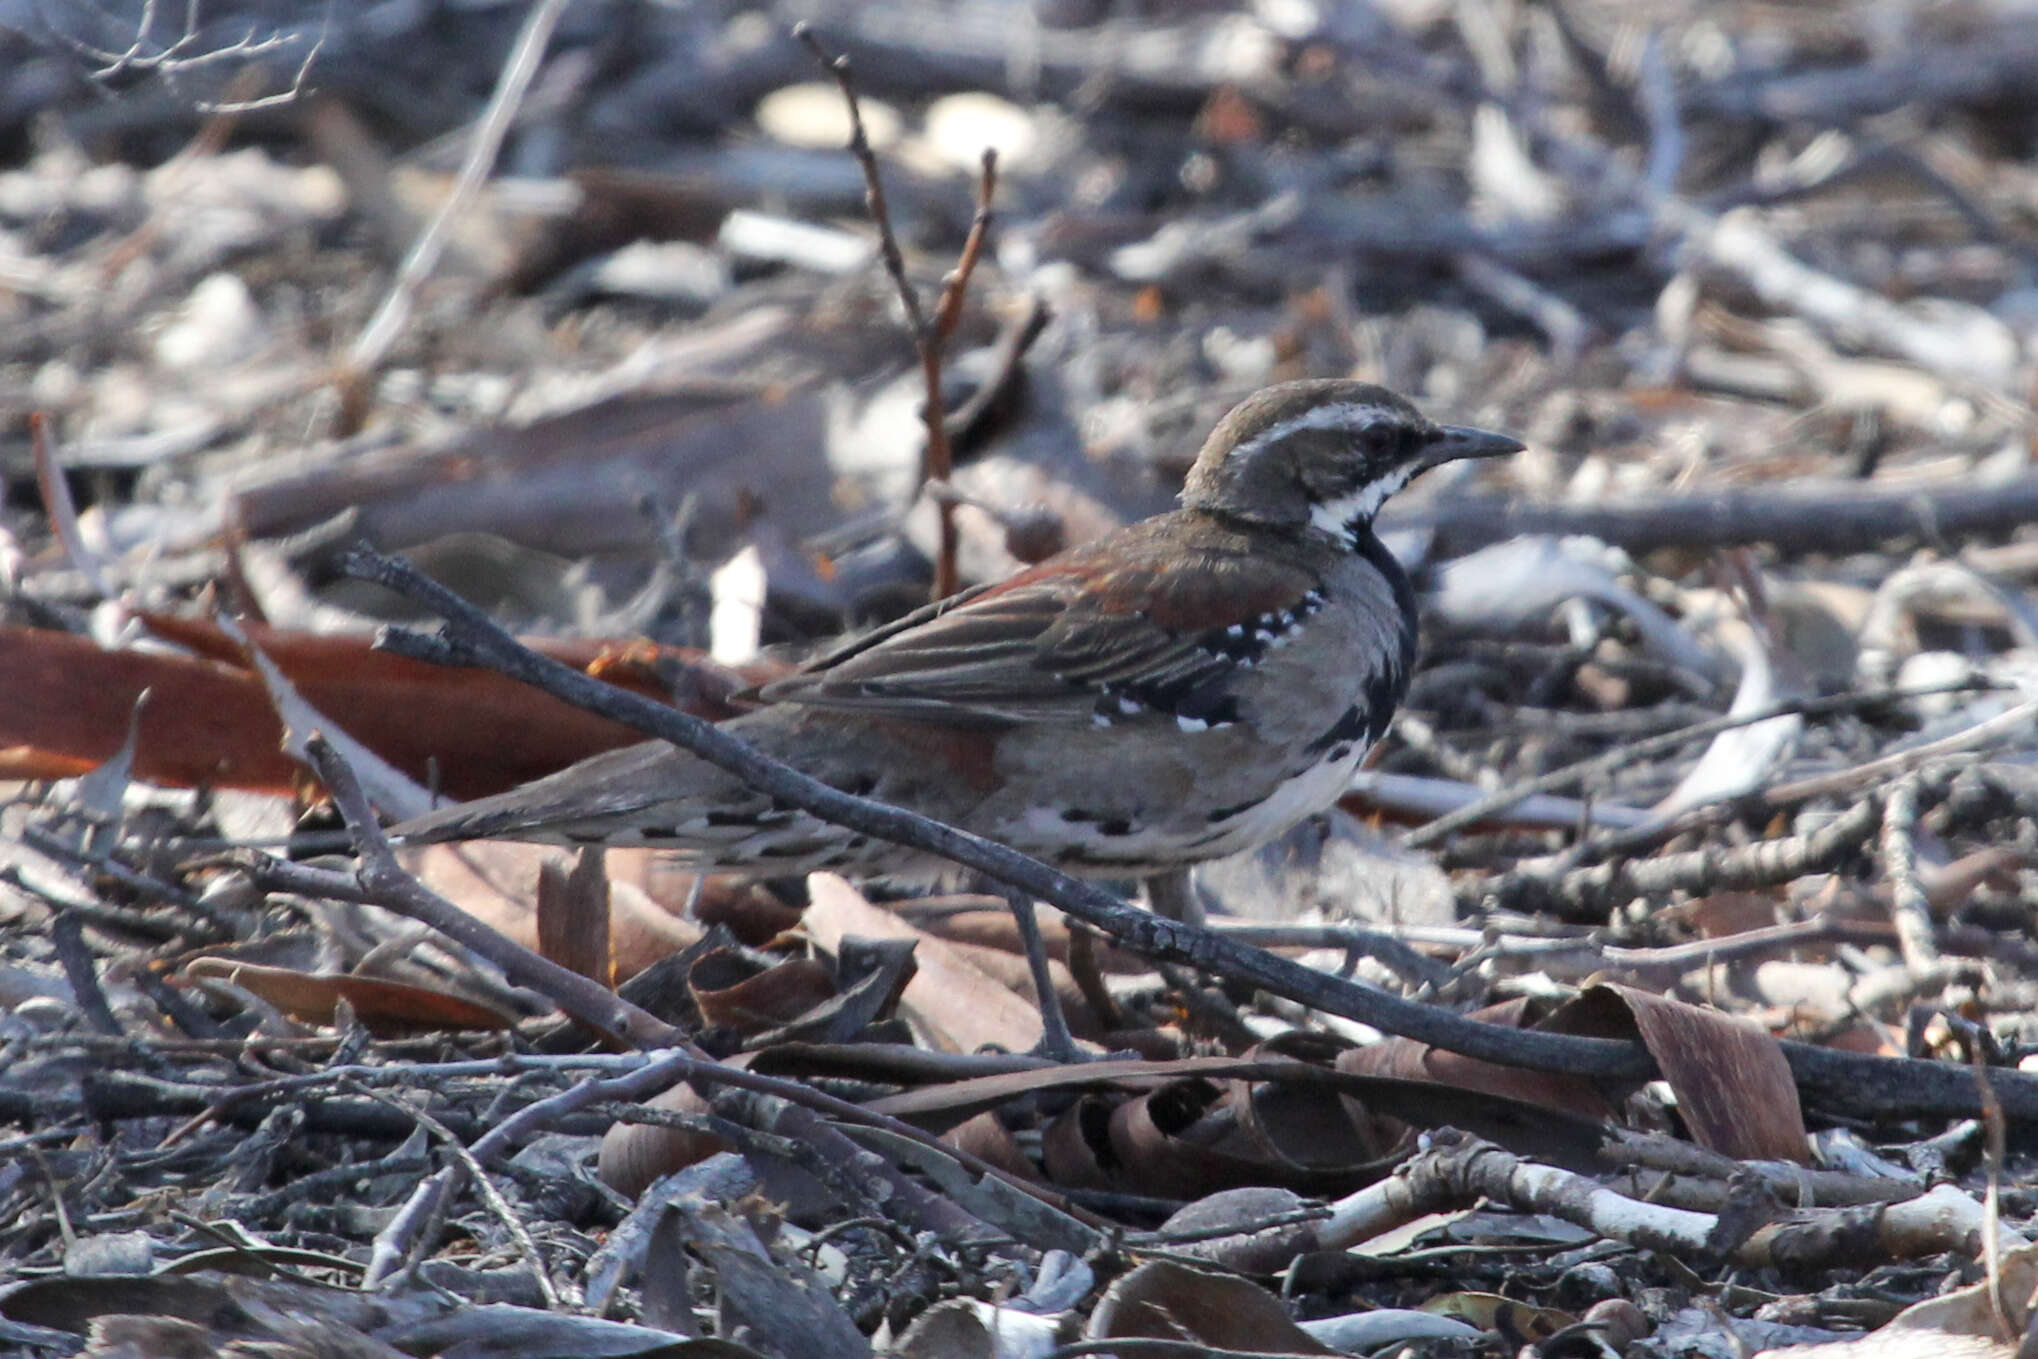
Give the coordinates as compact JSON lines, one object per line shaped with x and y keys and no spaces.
{"x":1336,"y":517}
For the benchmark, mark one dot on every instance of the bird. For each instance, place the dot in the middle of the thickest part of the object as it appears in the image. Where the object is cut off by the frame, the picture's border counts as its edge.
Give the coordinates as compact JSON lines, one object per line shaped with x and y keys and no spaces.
{"x":1185,"y":688}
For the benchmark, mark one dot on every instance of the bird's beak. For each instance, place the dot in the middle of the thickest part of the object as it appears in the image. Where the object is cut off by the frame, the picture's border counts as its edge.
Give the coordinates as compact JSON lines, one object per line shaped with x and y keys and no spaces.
{"x":1457,"y":442}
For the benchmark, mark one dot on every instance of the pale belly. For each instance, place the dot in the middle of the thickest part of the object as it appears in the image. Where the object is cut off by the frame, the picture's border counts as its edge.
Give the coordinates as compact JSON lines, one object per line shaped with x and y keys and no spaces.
{"x":1165,"y":842}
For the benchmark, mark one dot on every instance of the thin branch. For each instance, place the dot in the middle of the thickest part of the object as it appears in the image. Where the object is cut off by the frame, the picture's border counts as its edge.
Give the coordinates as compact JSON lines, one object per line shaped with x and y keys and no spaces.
{"x":1844,"y":1082}
{"x":956,"y":286}
{"x":1631,"y":752}
{"x":1805,"y":517}
{"x":873,"y":185}
{"x":393,"y":1242}
{"x":374,"y":342}
{"x":1962,"y":746}
{"x":60,"y":508}
{"x":491,"y":1196}
{"x":939,"y":463}
{"x":383,"y":881}
{"x":929,"y":335}
{"x":1909,"y":910}
{"x":471,"y":638}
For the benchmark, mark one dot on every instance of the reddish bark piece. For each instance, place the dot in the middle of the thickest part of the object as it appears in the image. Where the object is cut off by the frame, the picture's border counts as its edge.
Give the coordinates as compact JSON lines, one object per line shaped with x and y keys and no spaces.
{"x":209,"y":720}
{"x":384,"y":1007}
{"x":573,"y":915}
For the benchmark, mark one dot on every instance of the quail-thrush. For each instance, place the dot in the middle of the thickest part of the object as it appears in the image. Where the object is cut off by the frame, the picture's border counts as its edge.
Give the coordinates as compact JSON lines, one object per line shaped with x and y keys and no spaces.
{"x":1185,"y":688}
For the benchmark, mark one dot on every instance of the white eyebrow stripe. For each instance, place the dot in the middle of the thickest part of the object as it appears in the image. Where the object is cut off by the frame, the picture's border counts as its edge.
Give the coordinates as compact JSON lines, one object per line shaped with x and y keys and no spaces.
{"x":1353,"y":415}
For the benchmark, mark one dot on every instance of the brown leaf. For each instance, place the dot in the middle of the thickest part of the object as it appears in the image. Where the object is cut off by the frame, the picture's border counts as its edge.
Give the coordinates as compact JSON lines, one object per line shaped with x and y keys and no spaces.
{"x":1162,"y":1300}
{"x":1555,"y":1135}
{"x":384,"y":1007}
{"x":949,"y":999}
{"x":633,"y":1155}
{"x":733,"y":994}
{"x":1734,"y":1087}
{"x":1408,"y":1059}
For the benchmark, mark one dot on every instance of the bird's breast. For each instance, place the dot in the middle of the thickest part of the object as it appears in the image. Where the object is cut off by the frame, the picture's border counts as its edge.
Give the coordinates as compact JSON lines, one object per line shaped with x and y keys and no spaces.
{"x":1340,"y":679}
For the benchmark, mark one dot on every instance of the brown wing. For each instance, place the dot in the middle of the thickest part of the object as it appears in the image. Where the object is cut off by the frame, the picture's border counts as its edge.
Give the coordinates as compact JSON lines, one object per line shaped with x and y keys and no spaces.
{"x":1165,"y":633}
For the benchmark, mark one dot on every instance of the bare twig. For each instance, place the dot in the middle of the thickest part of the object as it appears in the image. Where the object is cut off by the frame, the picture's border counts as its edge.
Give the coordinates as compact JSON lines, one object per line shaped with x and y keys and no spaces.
{"x":1456,"y":1169}
{"x":1962,"y":745}
{"x":68,"y":938}
{"x":174,"y":58}
{"x":1762,"y":864}
{"x":873,"y":185}
{"x":1909,"y":910}
{"x":61,"y":509}
{"x":1632,"y":752}
{"x":1806,"y":517}
{"x":372,"y":346}
{"x":393,"y":1243}
{"x":383,"y":881}
{"x":1995,"y":1150}
{"x":1838,"y":1080}
{"x":930,"y":334}
{"x":491,"y":1197}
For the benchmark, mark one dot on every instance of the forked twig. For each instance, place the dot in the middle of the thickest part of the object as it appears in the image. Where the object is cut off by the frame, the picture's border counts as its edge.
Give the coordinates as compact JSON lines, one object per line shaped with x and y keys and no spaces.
{"x":61,"y":509}
{"x":357,"y":372}
{"x":1841,"y":1081}
{"x":930,"y":334}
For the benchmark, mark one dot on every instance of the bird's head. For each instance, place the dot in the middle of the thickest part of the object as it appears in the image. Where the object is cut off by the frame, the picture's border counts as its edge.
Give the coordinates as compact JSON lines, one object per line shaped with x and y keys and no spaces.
{"x":1323,"y":453}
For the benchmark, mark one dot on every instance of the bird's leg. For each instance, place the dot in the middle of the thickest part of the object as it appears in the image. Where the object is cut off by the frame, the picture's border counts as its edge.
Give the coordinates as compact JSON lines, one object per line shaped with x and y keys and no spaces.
{"x":1055,"y":1040}
{"x":1171,"y":894}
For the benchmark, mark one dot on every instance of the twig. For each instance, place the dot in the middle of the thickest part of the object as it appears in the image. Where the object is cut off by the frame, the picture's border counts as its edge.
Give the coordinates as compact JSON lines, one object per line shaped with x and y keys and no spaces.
{"x":491,"y":1197}
{"x":472,"y":639}
{"x":1835,"y":518}
{"x":1841,"y":1081}
{"x":873,"y":185}
{"x":1909,"y":910}
{"x":930,"y":335}
{"x":67,"y":936}
{"x":373,"y":344}
{"x":1631,"y":752}
{"x":382,"y":880}
{"x":1995,"y":1150}
{"x":392,"y":1243}
{"x":1456,"y":1168}
{"x":1763,"y":864}
{"x":61,"y":509}
{"x":1568,"y":329}
{"x":1960,"y":745}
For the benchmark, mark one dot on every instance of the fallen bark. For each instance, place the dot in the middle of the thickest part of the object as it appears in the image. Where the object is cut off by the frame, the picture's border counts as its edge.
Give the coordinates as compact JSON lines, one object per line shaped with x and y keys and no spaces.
{"x":1831,"y":517}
